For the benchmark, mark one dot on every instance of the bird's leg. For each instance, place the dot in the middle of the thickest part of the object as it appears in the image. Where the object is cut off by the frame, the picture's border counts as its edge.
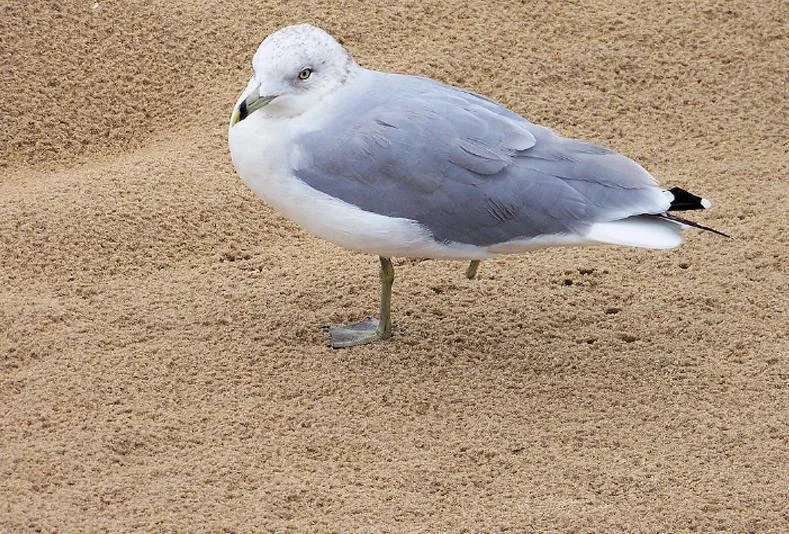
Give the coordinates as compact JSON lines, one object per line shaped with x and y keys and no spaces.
{"x":370,"y":329}
{"x":471,"y":271}
{"x":387,"y":279}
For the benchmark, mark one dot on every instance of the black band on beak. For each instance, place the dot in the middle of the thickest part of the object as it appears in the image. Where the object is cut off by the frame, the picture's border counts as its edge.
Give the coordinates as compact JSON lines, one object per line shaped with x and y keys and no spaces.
{"x":249,"y":105}
{"x":242,"y":111}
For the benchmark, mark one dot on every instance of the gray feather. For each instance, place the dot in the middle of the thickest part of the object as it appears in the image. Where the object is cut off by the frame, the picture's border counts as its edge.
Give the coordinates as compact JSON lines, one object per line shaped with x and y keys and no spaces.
{"x":465,"y":167}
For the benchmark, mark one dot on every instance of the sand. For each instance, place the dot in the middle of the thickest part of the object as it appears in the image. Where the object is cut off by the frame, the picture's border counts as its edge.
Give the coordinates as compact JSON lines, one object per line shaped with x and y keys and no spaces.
{"x":163,"y":365}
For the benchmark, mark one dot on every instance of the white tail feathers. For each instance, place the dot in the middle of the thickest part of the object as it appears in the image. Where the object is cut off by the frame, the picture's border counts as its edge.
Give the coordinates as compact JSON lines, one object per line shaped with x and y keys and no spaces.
{"x":642,"y":231}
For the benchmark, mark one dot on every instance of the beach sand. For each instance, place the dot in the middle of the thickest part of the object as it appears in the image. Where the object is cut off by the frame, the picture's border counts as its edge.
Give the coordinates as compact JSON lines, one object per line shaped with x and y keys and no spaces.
{"x":162,"y":363}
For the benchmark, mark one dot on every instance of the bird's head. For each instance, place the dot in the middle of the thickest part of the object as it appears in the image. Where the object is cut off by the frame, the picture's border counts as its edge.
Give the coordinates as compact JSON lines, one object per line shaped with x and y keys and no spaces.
{"x":294,"y":68}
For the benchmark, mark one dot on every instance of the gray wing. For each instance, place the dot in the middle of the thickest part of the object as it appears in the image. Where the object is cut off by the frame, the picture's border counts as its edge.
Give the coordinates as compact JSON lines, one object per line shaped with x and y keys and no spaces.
{"x":466,"y":168}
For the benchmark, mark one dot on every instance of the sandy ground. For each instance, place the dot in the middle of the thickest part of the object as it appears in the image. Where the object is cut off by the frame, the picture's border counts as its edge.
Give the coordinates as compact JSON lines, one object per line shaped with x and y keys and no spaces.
{"x":163,"y":366}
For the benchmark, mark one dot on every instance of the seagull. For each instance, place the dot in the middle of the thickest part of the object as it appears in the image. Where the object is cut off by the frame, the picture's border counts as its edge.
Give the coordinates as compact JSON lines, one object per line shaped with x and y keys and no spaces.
{"x":398,"y":165}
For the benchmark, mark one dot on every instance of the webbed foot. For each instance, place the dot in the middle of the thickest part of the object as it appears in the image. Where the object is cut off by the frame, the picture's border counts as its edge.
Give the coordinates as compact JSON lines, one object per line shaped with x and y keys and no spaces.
{"x":361,"y":333}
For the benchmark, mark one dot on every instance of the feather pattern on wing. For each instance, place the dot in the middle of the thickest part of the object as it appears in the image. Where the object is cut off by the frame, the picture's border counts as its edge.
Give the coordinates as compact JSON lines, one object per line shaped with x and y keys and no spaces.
{"x":466,"y":168}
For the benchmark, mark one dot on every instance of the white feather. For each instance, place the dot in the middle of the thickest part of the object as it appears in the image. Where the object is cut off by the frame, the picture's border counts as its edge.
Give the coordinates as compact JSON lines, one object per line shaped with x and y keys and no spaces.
{"x":647,"y":232}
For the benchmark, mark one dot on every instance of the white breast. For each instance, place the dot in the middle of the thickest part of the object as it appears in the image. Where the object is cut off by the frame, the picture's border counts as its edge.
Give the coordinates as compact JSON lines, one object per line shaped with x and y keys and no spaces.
{"x":263,"y":156}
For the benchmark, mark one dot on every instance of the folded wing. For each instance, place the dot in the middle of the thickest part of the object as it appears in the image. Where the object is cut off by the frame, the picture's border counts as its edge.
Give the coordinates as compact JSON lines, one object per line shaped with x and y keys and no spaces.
{"x":468,"y":169}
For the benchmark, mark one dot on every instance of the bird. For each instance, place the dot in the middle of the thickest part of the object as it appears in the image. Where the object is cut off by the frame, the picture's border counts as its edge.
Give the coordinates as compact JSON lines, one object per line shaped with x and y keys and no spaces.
{"x":401,"y":165}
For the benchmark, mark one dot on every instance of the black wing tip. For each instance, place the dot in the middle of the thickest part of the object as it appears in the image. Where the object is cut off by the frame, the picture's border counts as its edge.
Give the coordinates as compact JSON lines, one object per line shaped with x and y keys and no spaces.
{"x":686,"y":201}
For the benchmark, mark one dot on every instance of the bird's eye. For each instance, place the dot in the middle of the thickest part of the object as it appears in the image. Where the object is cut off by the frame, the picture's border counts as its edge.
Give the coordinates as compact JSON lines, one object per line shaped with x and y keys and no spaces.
{"x":305,"y":73}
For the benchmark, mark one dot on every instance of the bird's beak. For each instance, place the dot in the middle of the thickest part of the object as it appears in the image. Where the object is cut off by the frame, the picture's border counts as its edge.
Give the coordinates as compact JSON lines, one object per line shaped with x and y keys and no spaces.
{"x":249,"y":105}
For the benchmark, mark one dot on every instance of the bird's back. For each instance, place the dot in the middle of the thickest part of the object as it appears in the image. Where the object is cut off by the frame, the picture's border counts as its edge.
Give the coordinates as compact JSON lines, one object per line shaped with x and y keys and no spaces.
{"x":465,"y":167}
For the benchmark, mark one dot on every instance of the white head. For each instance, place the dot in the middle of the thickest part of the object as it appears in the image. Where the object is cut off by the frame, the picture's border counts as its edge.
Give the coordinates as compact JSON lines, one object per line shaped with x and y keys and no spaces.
{"x":294,"y":68}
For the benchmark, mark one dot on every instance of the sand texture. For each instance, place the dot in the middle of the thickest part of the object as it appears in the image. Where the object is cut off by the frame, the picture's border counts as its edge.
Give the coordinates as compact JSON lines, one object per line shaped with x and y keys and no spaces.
{"x":162,"y":365}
